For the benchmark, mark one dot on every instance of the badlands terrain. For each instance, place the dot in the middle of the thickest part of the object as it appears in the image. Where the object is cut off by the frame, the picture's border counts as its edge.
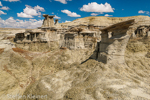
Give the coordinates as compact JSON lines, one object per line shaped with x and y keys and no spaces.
{"x":64,"y":74}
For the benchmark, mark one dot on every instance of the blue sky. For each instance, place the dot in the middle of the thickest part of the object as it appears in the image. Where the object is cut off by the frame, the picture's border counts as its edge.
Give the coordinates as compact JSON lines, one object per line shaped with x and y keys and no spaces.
{"x":28,"y":13}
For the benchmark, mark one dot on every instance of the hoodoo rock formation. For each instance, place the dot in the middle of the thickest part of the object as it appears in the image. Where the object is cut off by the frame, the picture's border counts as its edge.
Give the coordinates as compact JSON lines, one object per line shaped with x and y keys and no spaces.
{"x":109,"y":42}
{"x":48,"y":21}
{"x":72,"y":37}
{"x":112,"y":48}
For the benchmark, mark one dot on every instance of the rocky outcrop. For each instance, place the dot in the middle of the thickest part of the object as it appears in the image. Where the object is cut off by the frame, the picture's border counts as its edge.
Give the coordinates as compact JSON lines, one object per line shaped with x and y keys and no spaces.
{"x":74,"y":37}
{"x":111,"y":49}
{"x":60,"y":75}
{"x":35,"y":35}
{"x":82,"y":33}
{"x":48,"y":21}
{"x":143,"y":31}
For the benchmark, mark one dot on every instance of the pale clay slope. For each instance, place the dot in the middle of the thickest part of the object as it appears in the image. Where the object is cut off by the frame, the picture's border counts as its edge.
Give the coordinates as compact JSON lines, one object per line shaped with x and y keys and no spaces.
{"x":60,"y":75}
{"x":8,"y":33}
{"x":90,"y":81}
{"x":106,"y":21}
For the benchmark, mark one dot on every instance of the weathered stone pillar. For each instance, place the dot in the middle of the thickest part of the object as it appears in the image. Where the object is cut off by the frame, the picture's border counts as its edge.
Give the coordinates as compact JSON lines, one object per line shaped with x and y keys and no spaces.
{"x":16,"y":37}
{"x":56,"y":21}
{"x":30,"y":37}
{"x":45,"y":22}
{"x":111,"y":50}
{"x":148,"y":34}
{"x":34,"y":39}
{"x":25,"y":38}
{"x":51,"y":21}
{"x":102,"y":47}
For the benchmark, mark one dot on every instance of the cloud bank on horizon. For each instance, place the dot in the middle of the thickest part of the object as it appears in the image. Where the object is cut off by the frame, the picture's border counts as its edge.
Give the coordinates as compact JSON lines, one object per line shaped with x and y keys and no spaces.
{"x":25,"y":14}
{"x":12,"y":23}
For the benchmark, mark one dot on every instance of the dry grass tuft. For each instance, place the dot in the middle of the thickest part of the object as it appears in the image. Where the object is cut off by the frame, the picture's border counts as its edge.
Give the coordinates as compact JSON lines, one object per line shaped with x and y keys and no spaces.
{"x":19,"y":50}
{"x":136,"y":46}
{"x":24,"y":52}
{"x":63,"y":48}
{"x":136,"y":39}
{"x":10,"y":37}
{"x":46,"y":52}
{"x":1,"y":50}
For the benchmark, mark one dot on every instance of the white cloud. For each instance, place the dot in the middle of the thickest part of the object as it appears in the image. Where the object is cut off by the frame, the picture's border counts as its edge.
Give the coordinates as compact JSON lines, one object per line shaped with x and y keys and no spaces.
{"x":1,"y":3}
{"x":32,"y":20}
{"x":38,"y":8}
{"x":94,"y":14}
{"x":63,"y":1}
{"x":1,"y":12}
{"x":5,"y":8}
{"x":67,"y":21}
{"x":24,"y":15}
{"x":143,"y":12}
{"x":57,"y":17}
{"x":71,"y":14}
{"x":95,"y":7}
{"x":29,"y":11}
{"x":107,"y":15}
{"x":52,"y":12}
{"x":12,"y":23}
{"x":11,"y":0}
{"x":147,"y":12}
